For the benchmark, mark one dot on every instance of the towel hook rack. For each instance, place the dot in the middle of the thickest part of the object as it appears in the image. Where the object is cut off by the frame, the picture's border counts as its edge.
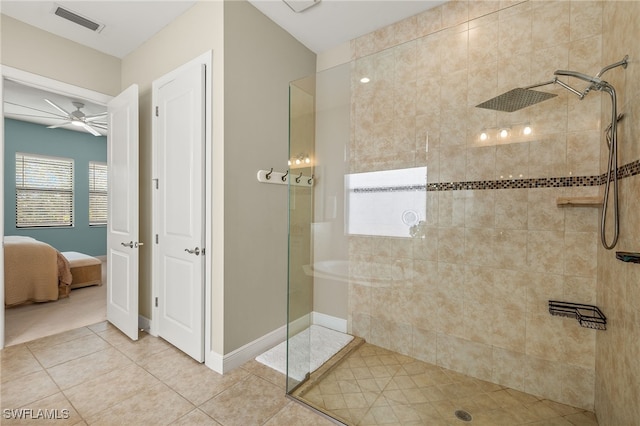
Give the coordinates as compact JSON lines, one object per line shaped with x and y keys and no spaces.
{"x":284,"y":178}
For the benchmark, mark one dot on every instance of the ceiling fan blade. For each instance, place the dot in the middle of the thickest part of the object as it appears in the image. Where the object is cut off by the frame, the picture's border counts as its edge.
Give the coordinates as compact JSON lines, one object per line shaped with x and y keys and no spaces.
{"x":55,"y":126}
{"x":11,"y":114}
{"x":90,"y":129}
{"x":67,"y":113}
{"x":98,"y":126}
{"x":94,"y":116}
{"x":36,"y":109}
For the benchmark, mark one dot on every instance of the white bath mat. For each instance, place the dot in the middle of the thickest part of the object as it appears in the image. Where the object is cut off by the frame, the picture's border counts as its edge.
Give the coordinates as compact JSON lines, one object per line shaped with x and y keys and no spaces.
{"x":324,"y":344}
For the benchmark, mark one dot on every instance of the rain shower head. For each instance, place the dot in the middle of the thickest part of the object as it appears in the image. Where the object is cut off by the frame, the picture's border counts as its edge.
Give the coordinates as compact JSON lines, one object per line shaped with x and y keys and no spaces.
{"x":516,"y":99}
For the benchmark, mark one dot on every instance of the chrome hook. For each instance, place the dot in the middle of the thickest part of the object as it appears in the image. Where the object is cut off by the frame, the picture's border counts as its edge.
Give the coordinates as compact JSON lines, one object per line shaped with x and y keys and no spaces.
{"x":284,"y":177}
{"x":268,"y":175}
{"x":298,"y":178}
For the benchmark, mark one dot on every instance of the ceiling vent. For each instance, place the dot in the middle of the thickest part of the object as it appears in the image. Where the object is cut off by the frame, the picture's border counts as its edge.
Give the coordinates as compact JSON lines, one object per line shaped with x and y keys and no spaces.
{"x":77,"y":19}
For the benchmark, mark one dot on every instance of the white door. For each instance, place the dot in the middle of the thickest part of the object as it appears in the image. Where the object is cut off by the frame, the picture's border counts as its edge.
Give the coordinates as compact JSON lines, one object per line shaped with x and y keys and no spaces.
{"x":179,"y":148}
{"x":122,"y":228}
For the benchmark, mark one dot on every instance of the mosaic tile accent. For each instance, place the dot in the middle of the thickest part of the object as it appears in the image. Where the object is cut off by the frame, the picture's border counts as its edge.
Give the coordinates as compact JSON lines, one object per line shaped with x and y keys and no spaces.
{"x":550,"y":182}
{"x":407,"y":188}
{"x":628,"y":170}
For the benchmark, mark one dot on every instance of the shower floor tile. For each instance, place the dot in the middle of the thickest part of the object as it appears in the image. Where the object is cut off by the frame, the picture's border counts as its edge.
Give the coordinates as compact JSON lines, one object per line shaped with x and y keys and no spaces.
{"x":375,"y":386}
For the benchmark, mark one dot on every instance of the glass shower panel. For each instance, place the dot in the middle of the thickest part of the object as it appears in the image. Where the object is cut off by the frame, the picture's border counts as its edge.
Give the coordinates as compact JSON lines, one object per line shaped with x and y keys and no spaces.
{"x":300,"y":284}
{"x":318,"y":242}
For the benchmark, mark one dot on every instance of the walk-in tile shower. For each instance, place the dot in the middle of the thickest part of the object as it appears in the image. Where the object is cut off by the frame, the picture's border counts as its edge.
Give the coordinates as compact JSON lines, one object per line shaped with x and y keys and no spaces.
{"x":440,"y":231}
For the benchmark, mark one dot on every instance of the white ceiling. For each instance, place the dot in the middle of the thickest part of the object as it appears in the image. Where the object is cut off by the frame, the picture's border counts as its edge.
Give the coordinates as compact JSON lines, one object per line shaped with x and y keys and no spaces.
{"x":330,"y":23}
{"x":128,"y":24}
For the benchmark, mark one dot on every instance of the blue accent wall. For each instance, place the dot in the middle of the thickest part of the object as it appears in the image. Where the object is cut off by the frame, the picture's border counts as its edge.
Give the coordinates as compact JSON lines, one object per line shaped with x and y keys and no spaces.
{"x":20,"y":136}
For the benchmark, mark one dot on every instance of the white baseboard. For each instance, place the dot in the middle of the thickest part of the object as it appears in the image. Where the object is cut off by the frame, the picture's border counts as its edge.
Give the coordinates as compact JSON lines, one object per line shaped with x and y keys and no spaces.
{"x":224,"y":363}
{"x":144,"y":323}
{"x":215,"y":361}
{"x":328,"y":321}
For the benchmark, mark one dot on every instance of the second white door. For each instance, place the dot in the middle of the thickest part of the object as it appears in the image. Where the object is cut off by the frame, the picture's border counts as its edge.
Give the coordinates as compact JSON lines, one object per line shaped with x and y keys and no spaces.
{"x":179,"y":149}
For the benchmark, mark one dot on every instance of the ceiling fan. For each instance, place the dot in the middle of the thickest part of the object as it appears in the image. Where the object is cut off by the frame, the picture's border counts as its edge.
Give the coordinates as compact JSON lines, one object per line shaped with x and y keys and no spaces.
{"x":90,"y":123}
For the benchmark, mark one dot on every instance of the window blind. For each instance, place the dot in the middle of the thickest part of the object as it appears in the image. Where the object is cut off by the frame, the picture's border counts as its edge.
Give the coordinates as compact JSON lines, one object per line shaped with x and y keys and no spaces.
{"x":44,"y":191}
{"x":97,"y":193}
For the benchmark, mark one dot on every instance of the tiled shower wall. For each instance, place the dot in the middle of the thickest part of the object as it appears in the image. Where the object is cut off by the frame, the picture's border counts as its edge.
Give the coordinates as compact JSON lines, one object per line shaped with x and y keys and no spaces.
{"x":618,"y":291}
{"x":470,"y":291}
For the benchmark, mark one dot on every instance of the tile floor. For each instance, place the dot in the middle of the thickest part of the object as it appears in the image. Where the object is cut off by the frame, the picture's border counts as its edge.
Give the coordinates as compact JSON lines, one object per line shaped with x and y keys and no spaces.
{"x":374,"y":386}
{"x":102,"y":378}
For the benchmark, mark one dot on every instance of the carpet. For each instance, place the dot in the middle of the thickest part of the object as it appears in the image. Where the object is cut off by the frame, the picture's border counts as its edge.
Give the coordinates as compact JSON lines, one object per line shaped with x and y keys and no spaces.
{"x":84,"y":306}
{"x":323,"y":344}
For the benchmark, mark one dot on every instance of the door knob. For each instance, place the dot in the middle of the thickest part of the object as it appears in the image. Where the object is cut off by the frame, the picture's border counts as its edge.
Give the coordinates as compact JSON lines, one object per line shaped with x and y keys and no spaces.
{"x":138,"y":244}
{"x":129,"y":244}
{"x":195,"y":251}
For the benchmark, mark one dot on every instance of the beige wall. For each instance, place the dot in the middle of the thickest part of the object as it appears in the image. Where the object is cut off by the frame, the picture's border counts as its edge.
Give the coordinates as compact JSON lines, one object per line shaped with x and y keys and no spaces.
{"x":260,"y":60}
{"x":618,"y":290}
{"x":36,"y":51}
{"x":472,"y":294}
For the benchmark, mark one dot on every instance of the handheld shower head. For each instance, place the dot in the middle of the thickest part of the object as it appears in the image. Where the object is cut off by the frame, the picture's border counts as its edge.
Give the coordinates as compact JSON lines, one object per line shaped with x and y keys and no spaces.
{"x":587,"y":78}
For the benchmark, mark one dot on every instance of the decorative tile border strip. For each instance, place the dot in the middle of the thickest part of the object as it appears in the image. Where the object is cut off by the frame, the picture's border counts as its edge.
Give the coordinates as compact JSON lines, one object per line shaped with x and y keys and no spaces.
{"x":551,"y":182}
{"x":628,"y":170}
{"x":404,"y":188}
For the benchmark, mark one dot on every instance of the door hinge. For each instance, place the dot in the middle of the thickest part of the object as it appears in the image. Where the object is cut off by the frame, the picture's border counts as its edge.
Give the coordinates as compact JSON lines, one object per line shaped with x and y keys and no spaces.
{"x":156,"y":302}
{"x":155,"y":181}
{"x":157,"y":111}
{"x":156,"y":238}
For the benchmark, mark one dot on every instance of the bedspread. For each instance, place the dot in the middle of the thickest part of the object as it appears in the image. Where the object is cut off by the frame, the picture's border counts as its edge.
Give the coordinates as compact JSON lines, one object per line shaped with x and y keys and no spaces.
{"x":34,"y":271}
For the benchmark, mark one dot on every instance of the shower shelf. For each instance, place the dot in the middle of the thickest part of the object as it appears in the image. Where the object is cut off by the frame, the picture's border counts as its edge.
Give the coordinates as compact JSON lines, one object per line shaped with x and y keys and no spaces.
{"x":588,"y":316}
{"x":579,"y":201}
{"x":626,"y":256}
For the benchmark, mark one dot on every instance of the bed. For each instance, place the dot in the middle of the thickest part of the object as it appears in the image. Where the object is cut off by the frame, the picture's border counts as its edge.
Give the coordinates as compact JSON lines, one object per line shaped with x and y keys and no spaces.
{"x":86,"y":270}
{"x":34,"y":271}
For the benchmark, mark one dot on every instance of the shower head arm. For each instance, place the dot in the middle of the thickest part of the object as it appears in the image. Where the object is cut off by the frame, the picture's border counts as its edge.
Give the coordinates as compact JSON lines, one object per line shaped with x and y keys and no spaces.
{"x":623,"y":63}
{"x":556,"y":81}
{"x":571,"y":89}
{"x":594,"y":82}
{"x":533,"y":86}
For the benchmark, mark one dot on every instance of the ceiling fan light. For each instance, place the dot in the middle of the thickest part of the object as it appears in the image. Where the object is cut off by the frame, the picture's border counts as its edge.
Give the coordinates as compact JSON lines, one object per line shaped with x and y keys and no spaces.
{"x":77,"y":123}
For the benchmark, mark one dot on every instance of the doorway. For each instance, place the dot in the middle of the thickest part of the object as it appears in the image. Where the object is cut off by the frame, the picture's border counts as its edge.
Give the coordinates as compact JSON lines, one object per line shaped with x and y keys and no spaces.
{"x":99,"y":98}
{"x":48,"y":85}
